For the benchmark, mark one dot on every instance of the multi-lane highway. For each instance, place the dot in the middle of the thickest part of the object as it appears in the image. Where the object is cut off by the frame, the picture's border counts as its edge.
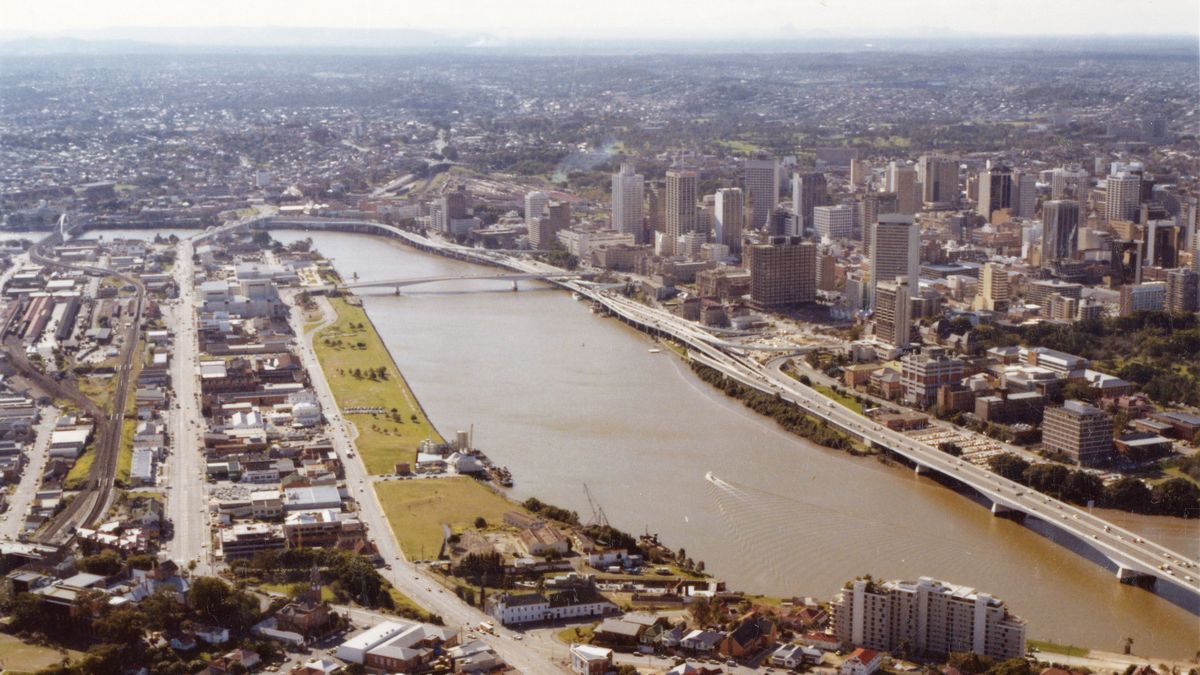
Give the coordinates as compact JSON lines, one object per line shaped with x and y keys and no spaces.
{"x":1130,"y":553}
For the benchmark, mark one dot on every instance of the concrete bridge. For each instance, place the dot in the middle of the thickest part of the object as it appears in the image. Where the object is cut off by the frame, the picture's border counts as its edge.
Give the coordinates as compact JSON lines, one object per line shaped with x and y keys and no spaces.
{"x":503,"y":276}
{"x":1134,"y":557}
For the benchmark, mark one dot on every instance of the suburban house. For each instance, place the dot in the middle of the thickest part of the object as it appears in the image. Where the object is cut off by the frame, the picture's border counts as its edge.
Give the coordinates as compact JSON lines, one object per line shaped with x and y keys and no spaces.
{"x":753,"y":633}
{"x":702,"y":641}
{"x":861,"y":662}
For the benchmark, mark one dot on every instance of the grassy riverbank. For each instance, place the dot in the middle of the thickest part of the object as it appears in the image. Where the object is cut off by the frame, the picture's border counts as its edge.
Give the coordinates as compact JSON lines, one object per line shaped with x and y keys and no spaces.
{"x":362,"y":374}
{"x":417,"y":510}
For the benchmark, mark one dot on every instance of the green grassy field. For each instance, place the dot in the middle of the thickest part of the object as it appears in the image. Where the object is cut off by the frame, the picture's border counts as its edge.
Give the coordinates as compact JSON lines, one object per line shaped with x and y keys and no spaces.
{"x":292,"y":590}
{"x":19,"y":657}
{"x":417,"y":509}
{"x":125,"y":454}
{"x":1055,"y":648}
{"x":840,"y":398}
{"x":383,"y":439}
{"x":78,"y":474}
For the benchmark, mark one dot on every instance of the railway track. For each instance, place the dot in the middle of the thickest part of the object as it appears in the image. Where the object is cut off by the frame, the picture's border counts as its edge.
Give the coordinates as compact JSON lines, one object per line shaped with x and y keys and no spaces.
{"x":91,"y":503}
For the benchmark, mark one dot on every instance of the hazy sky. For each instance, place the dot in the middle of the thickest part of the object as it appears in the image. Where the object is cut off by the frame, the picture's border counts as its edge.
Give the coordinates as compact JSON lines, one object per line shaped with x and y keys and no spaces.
{"x":671,"y":19}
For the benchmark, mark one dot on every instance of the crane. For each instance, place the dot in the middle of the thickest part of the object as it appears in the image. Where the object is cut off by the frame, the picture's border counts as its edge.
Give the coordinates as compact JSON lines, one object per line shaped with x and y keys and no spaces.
{"x":598,"y":517}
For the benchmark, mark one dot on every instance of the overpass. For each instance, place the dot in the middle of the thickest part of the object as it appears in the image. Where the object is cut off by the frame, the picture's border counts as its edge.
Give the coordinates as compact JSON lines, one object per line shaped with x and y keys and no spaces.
{"x":504,"y":276}
{"x":1131,"y":555}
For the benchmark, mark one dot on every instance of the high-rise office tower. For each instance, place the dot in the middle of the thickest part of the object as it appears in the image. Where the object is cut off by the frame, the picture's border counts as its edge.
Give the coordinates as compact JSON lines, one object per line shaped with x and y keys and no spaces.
{"x":902,"y":180}
{"x":809,"y":190}
{"x":875,"y":204}
{"x":628,"y":195}
{"x":892,"y":323}
{"x":1024,"y":195}
{"x":1183,"y":290}
{"x":1123,"y":196}
{"x":535,"y":205}
{"x":995,"y":191}
{"x":859,"y":171}
{"x":559,"y":215}
{"x":1162,"y":243}
{"x":761,"y":180}
{"x":680,"y":209}
{"x":993,"y":289}
{"x":939,"y":180}
{"x":1060,"y":230}
{"x":895,"y":250}
{"x":729,"y":214}
{"x":782,"y":272}
{"x":1069,"y":182}
{"x":833,"y":222}
{"x":656,"y":208}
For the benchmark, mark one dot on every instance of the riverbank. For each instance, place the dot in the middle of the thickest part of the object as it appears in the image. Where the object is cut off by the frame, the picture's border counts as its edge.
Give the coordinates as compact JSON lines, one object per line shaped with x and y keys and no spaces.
{"x":364,"y":376}
{"x":633,"y":424}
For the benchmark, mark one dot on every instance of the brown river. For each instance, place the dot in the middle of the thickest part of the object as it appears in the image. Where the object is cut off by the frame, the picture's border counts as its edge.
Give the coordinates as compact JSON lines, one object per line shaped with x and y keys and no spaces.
{"x":566,"y":398}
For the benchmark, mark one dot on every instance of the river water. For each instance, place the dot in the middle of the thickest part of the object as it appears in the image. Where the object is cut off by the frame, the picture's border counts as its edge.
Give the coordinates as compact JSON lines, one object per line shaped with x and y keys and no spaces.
{"x":566,"y":398}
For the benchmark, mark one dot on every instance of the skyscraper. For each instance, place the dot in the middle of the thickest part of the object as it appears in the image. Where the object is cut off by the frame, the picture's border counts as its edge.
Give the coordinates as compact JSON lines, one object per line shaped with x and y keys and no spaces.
{"x":1123,"y":197}
{"x":995,"y":191}
{"x":628,"y":195}
{"x":902,"y":180}
{"x":993,"y":289}
{"x":939,"y":180}
{"x":1183,"y":290}
{"x":892,"y":312}
{"x":761,"y":179}
{"x":1069,"y":182}
{"x":729,"y":216}
{"x":875,"y":204}
{"x":895,"y":250}
{"x":535,"y":205}
{"x":1060,"y":229}
{"x":833,"y":222}
{"x":1024,"y":195}
{"x":1162,"y":243}
{"x":680,"y":208}
{"x":782,"y":272}
{"x":809,"y":190}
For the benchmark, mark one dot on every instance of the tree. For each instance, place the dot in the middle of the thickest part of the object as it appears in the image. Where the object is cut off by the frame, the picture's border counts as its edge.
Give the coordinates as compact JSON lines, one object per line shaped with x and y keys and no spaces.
{"x":208,"y":597}
{"x":123,"y":626}
{"x":1128,"y":494}
{"x":1009,"y":466}
{"x":970,"y":663}
{"x":261,"y":238}
{"x":480,"y":523}
{"x":1013,"y":666}
{"x":105,"y":563}
{"x":1177,"y":497}
{"x":703,"y":612}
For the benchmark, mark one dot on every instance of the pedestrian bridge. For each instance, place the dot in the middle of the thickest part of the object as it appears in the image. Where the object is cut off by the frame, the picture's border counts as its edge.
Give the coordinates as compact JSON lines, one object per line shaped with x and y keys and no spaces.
{"x":501,"y":276}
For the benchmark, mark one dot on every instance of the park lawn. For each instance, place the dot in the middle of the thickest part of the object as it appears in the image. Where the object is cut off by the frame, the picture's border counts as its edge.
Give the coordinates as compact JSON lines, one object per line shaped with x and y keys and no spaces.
{"x":383,"y":439}
{"x":78,"y":475}
{"x":17,"y":656}
{"x":576,"y":634}
{"x":417,"y":510}
{"x":292,"y":590}
{"x":846,"y":401}
{"x":1055,"y":648}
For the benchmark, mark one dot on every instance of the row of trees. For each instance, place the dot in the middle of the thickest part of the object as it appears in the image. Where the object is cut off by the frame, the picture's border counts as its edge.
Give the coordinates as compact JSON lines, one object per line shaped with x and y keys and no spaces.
{"x":1174,"y":497}
{"x":787,"y":414}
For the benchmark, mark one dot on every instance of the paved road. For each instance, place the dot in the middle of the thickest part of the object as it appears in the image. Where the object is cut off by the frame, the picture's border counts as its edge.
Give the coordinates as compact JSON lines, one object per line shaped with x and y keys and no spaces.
{"x":183,"y":474}
{"x":21,"y":499}
{"x":406,"y":577}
